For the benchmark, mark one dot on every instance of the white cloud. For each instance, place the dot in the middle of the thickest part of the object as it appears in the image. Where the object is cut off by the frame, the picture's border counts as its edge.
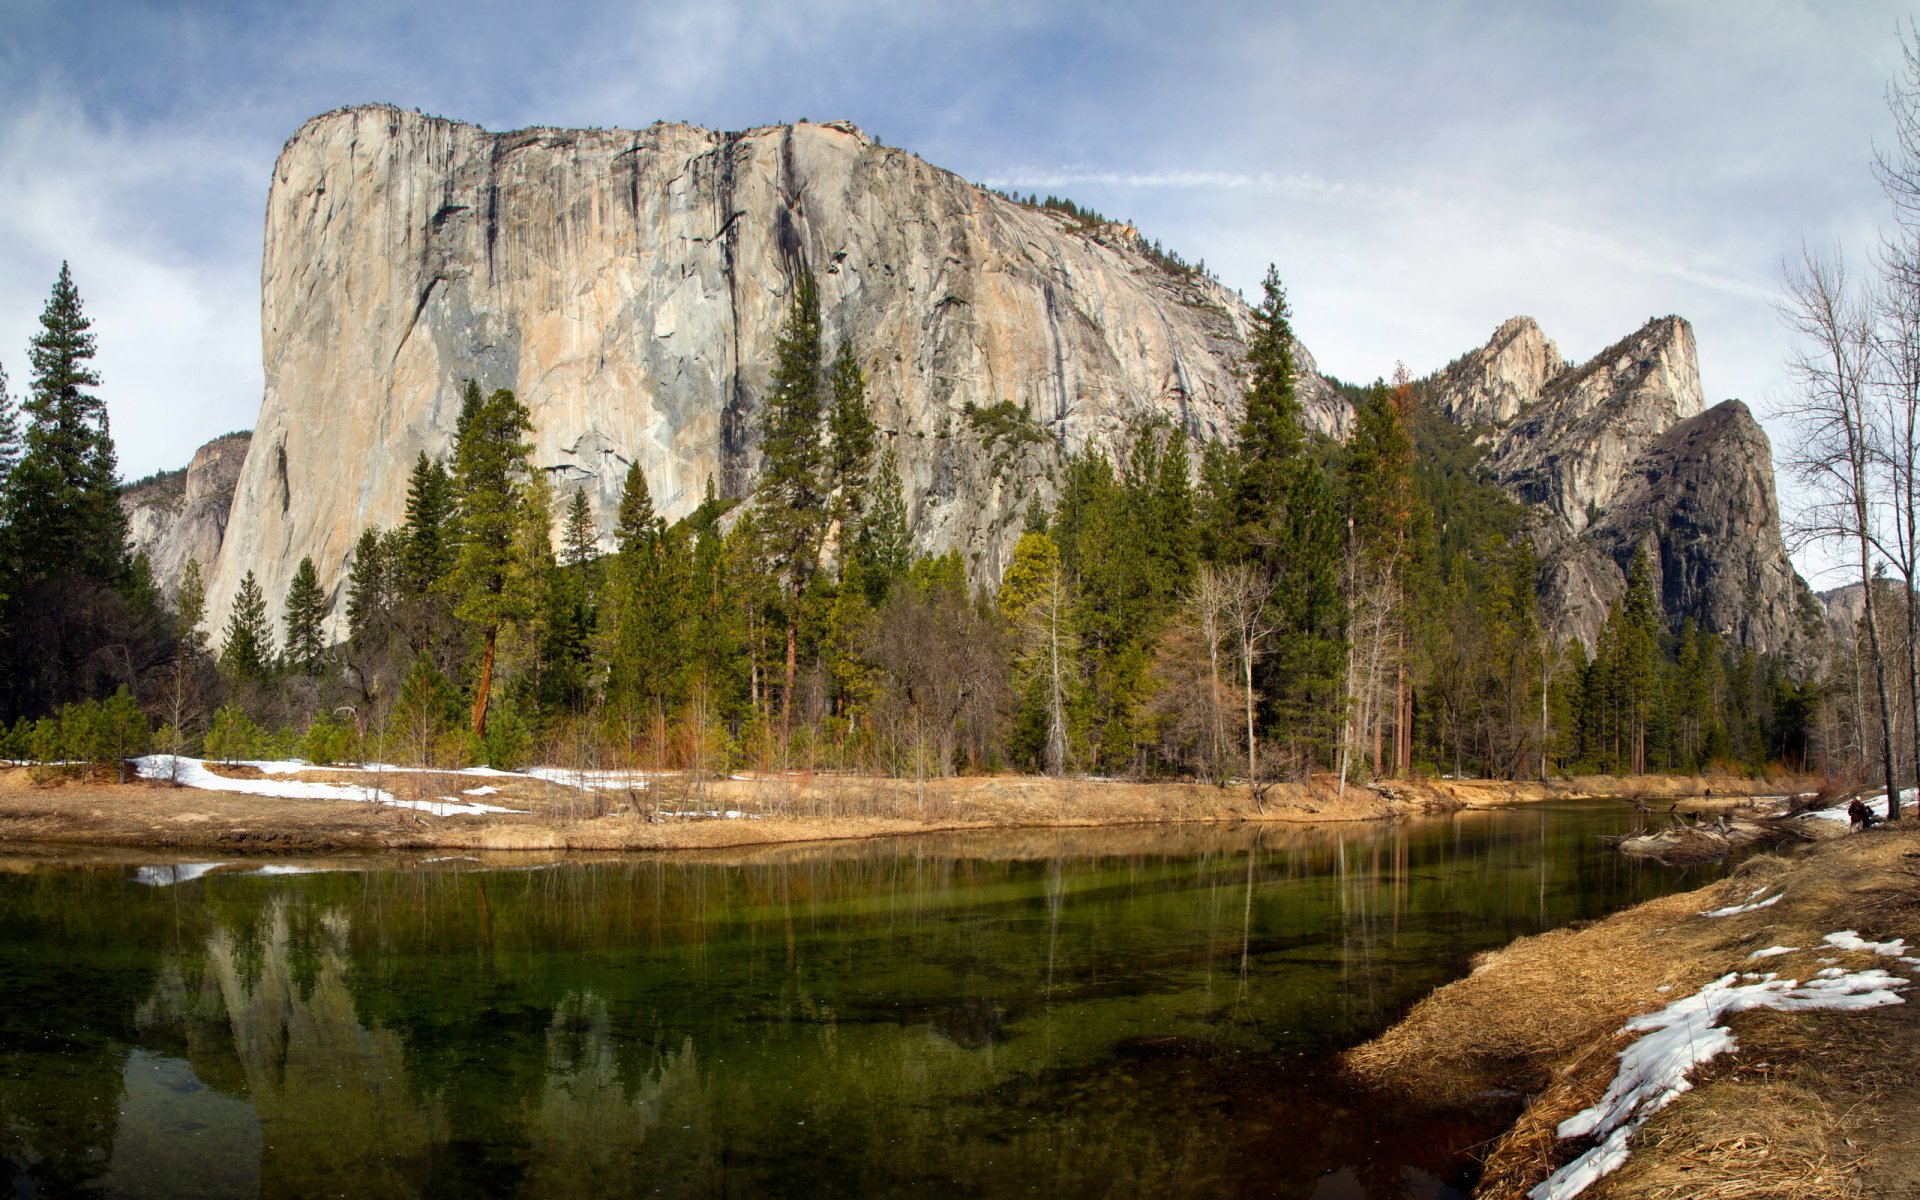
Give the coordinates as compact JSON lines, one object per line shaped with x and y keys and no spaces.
{"x":174,"y":306}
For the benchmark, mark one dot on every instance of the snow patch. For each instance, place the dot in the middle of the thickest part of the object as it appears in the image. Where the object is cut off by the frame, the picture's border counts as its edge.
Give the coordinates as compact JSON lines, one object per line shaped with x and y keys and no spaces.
{"x":483,"y":790}
{"x":1773,"y":952}
{"x":1877,"y":806}
{"x":193,"y":773}
{"x":590,"y":781}
{"x":1683,"y":1035}
{"x":1753,"y":904}
{"x":1847,"y":939}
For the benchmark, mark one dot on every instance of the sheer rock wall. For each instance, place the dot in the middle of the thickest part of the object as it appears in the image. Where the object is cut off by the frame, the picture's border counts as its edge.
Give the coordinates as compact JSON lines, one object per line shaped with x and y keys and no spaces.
{"x":629,"y":285}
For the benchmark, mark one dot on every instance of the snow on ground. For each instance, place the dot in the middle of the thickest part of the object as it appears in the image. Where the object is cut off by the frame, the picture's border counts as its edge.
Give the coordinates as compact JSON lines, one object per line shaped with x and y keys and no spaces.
{"x":590,"y":781}
{"x":1683,"y":1035}
{"x":1847,"y":939}
{"x":1773,"y":951}
{"x":193,"y":773}
{"x":1753,"y":904}
{"x":1877,"y":806}
{"x":482,"y":790}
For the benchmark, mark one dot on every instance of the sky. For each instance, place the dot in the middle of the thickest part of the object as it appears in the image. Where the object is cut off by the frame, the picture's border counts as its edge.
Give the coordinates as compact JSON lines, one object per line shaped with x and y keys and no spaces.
{"x":1417,"y":171}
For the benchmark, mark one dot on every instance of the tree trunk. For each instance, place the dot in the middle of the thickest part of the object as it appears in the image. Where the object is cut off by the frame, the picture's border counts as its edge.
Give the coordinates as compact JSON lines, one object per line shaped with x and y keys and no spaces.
{"x":1253,"y":760}
{"x":1879,"y":673}
{"x":486,"y":683}
{"x":793,"y":659}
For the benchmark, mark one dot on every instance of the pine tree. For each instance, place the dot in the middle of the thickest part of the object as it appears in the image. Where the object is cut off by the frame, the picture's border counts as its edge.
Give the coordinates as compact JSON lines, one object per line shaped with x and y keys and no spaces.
{"x":369,"y":586}
{"x":191,"y":603}
{"x":425,"y":710}
{"x":428,"y":549}
{"x":637,"y":521}
{"x":1287,"y":524}
{"x":306,"y":609}
{"x":63,"y":495}
{"x":851,"y":431}
{"x":794,"y":477}
{"x":9,"y":433}
{"x":885,"y":542}
{"x":579,"y":537}
{"x":493,"y":584}
{"x":1271,"y":440}
{"x":248,"y":650}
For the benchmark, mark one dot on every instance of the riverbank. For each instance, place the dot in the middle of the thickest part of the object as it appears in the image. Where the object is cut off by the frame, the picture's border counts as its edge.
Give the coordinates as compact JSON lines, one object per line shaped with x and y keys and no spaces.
{"x":1813,"y":1098}
{"x":396,"y":809}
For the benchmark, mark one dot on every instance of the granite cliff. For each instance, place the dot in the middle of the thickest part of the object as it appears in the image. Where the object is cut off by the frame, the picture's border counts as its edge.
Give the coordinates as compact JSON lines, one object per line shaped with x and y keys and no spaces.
{"x":629,"y":286}
{"x":1619,"y":453}
{"x":182,"y":515}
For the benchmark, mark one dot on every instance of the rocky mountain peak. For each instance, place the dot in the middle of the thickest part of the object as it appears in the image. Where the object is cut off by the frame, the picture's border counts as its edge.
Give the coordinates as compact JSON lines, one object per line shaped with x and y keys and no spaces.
{"x":1490,"y":385}
{"x":1700,"y":501}
{"x":1572,"y":445}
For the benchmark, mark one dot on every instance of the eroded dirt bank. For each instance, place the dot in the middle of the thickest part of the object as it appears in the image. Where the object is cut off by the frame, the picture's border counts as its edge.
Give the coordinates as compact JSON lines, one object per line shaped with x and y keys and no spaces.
{"x":1807,"y":1104}
{"x":670,"y":813}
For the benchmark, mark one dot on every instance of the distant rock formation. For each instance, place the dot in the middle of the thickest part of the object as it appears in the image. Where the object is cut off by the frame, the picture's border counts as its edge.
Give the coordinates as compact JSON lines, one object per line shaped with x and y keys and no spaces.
{"x":629,"y":285}
{"x":1617,"y":454}
{"x":183,"y":515}
{"x":1701,"y":502}
{"x":1490,"y":385}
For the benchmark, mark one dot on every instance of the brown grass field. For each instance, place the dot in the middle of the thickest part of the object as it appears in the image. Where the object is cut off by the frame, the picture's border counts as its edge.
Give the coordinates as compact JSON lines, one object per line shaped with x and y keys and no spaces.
{"x":1810,"y":1104}
{"x":675,"y":812}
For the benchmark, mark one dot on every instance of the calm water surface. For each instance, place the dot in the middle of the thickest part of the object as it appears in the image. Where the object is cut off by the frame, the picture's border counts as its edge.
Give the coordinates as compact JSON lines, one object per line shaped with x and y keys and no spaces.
{"x":1058,"y":1013}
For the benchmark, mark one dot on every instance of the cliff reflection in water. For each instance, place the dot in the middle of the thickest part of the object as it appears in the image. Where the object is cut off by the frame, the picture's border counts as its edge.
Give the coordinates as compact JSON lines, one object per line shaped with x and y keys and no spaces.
{"x":1070,"y":1012}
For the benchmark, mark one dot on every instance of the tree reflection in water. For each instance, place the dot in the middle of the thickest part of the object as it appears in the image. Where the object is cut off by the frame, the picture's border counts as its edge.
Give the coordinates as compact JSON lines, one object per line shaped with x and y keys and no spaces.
{"x":1069,"y":1012}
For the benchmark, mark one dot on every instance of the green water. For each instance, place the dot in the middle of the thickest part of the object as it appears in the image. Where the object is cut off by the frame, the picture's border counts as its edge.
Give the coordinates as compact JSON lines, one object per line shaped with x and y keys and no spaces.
{"x":1060,"y":1013}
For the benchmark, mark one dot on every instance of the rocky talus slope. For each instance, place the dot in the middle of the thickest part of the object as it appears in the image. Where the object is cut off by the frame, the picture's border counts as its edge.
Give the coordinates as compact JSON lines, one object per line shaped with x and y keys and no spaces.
{"x":630,"y":284}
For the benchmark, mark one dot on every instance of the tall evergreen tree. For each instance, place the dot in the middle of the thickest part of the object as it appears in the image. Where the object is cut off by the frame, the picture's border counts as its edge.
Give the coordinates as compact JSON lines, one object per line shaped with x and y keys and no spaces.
{"x":9,"y":433}
{"x":191,"y":602}
{"x":428,"y":549}
{"x":850,"y":431}
{"x":248,"y":649}
{"x":492,"y":582}
{"x":794,"y":477}
{"x":63,"y":495}
{"x":306,"y":608}
{"x":370,"y":581}
{"x":1287,"y":523}
{"x":637,"y":522}
{"x":578,"y":536}
{"x":885,"y":542}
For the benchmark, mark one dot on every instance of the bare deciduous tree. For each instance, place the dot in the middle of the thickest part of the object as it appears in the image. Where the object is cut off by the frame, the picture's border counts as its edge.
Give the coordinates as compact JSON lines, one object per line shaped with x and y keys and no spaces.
{"x":1830,"y":453}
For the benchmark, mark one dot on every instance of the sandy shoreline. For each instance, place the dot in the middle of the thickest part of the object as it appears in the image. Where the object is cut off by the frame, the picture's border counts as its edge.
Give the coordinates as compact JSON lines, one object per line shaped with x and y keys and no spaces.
{"x":663,"y":813}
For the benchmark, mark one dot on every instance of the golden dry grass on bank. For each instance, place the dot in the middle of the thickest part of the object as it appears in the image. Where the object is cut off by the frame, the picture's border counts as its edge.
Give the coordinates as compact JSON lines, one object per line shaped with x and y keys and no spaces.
{"x":643,"y":811}
{"x":1799,"y":1110}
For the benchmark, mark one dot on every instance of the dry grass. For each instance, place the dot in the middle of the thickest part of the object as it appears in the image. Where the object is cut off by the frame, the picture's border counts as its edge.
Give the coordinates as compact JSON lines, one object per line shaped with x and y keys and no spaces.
{"x":1542,"y":1017}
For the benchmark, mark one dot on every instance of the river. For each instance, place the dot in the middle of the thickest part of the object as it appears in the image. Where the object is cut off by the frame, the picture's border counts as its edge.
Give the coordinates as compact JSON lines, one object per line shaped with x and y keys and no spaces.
{"x":1056,"y":1013}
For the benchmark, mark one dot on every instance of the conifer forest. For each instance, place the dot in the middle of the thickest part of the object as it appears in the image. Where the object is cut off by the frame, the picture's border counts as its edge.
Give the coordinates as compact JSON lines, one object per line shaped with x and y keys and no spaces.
{"x":1248,"y":611}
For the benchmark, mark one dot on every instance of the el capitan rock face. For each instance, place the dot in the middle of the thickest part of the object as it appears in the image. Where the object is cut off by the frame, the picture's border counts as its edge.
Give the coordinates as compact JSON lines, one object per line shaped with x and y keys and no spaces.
{"x":629,"y":286}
